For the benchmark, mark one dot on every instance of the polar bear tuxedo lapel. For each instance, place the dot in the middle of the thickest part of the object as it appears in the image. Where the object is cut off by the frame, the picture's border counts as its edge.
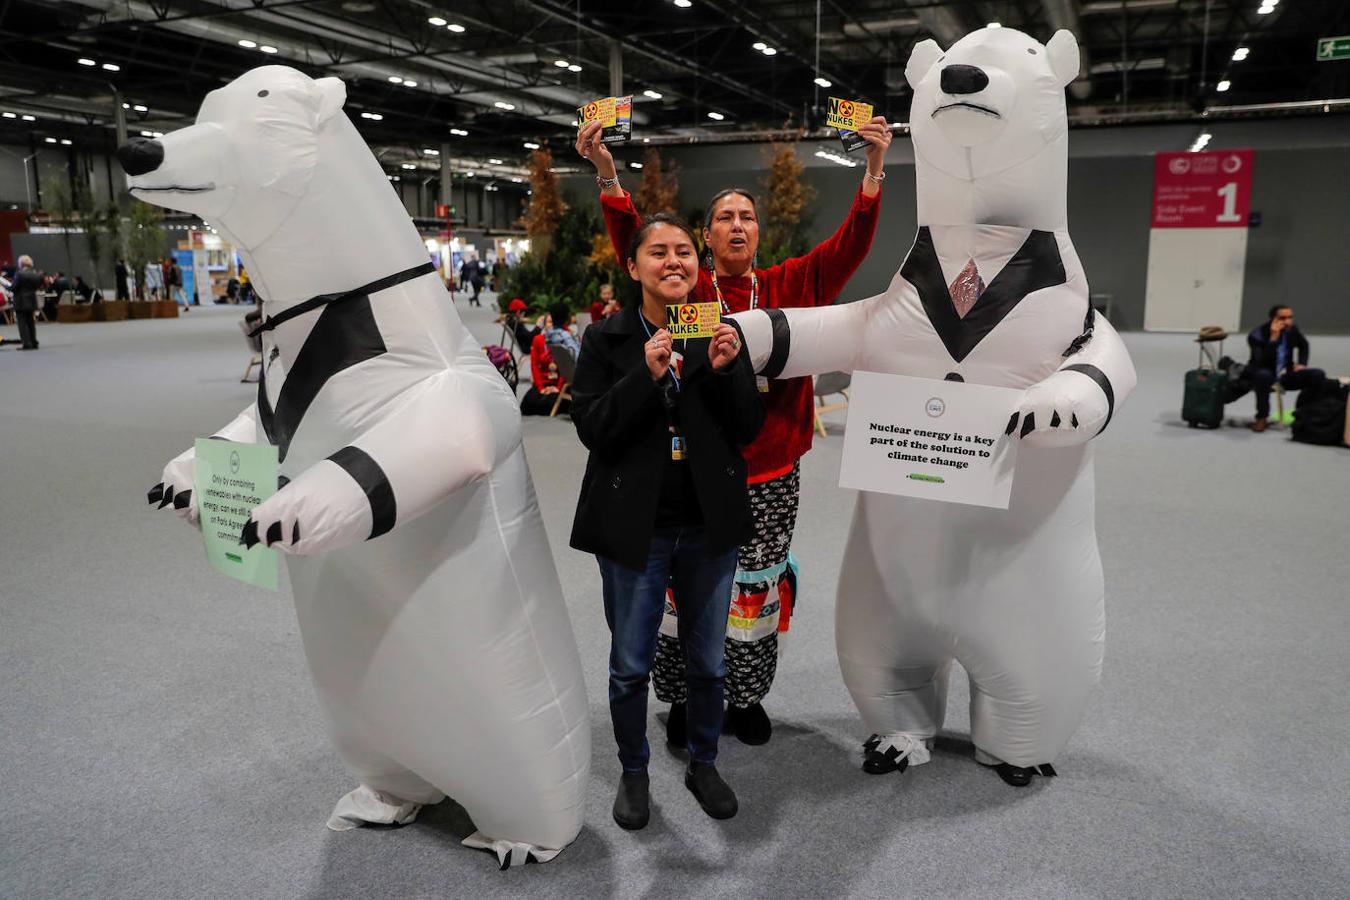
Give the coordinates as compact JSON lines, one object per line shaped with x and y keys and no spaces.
{"x":1035,"y":266}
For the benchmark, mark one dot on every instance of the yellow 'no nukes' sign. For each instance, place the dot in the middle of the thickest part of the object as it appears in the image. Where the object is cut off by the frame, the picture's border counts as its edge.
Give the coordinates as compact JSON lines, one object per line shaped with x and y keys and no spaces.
{"x":692,"y":320}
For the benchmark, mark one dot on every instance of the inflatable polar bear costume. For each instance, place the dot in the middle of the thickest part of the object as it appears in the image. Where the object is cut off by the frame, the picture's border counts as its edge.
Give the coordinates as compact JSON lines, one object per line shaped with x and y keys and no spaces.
{"x":992,"y":292}
{"x":427,"y":598}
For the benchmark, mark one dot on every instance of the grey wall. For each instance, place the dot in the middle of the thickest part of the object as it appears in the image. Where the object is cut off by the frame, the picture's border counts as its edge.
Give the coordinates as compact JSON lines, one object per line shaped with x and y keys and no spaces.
{"x":1301,"y":188}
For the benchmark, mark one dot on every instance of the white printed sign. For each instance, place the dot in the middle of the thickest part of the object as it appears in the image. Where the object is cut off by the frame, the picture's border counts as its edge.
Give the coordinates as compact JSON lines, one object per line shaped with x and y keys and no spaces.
{"x":938,"y":440}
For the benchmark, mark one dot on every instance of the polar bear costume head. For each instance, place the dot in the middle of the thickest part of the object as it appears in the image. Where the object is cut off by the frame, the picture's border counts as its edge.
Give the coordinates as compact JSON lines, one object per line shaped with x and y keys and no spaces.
{"x":274,"y":164}
{"x":990,"y":128}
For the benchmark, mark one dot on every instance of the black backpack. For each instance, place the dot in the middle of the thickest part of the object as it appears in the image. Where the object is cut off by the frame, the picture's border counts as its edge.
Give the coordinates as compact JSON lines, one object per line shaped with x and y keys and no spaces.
{"x":1319,"y":415}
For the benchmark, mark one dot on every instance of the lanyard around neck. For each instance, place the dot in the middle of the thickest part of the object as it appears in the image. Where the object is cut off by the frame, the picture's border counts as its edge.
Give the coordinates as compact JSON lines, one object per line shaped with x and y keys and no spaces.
{"x":684,"y":345}
{"x":754,"y":292}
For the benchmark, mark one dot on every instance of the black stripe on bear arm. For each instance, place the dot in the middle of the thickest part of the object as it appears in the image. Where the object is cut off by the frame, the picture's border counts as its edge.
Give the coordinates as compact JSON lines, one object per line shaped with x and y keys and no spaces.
{"x":782,"y":342}
{"x":368,"y":474}
{"x":1098,"y":376}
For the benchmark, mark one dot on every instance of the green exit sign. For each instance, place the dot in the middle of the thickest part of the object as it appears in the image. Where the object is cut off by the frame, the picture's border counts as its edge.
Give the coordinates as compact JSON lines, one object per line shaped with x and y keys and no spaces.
{"x":1333,"y":48}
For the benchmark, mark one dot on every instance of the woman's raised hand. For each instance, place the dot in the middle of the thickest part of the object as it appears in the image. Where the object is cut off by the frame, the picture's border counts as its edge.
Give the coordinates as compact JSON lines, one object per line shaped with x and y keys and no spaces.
{"x":878,"y":136}
{"x":724,"y":346}
{"x":658,"y":354}
{"x":589,"y":146}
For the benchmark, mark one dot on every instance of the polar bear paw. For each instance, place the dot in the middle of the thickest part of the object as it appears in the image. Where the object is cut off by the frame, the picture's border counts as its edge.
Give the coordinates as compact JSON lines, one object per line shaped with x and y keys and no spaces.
{"x":883,"y":753}
{"x":175,"y":489}
{"x":367,"y":806}
{"x":509,"y":853}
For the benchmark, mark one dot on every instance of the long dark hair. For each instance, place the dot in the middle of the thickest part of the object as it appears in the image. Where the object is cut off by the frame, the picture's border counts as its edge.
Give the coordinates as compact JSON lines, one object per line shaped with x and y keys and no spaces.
{"x":707,"y":258}
{"x":648,"y":224}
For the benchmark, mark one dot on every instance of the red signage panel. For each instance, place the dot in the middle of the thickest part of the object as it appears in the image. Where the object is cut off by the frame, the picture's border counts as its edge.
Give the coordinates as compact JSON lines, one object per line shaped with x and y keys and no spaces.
{"x":1212,"y":189}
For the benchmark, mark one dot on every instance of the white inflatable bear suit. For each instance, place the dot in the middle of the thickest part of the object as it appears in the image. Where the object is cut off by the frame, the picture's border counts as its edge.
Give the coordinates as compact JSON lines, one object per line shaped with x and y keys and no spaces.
{"x":991,"y":292}
{"x":428,"y":602}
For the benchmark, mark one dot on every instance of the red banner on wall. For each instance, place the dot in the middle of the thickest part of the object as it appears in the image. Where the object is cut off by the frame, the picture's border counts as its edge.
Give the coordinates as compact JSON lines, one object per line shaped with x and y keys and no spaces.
{"x":1202,"y":190}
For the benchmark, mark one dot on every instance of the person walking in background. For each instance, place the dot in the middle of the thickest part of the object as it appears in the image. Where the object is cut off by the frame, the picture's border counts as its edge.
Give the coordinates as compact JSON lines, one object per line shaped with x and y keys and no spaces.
{"x":176,"y":284}
{"x":1279,"y":354}
{"x":766,"y":580}
{"x":121,"y":276}
{"x":28,"y":282}
{"x":663,"y":500}
{"x":471,"y":278}
{"x":154,"y":280}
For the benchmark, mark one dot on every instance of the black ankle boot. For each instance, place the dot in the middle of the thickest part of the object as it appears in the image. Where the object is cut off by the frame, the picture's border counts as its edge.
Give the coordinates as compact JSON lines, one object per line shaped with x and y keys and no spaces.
{"x":750,"y":723}
{"x":712,"y":793}
{"x":677,"y":730}
{"x":632,"y":803}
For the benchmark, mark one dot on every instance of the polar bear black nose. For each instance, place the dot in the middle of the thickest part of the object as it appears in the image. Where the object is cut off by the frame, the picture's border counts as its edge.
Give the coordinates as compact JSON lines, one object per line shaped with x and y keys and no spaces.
{"x":140,"y":155}
{"x":958,"y":79}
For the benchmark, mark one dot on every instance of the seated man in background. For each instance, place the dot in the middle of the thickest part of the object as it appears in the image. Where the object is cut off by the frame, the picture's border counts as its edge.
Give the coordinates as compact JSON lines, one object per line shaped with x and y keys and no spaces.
{"x":558,"y":330}
{"x":83,"y":292}
{"x":1274,"y":346}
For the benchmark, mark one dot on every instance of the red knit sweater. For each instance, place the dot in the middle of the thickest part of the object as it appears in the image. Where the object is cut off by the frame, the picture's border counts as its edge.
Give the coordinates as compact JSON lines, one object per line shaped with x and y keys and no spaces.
{"x":811,"y":280}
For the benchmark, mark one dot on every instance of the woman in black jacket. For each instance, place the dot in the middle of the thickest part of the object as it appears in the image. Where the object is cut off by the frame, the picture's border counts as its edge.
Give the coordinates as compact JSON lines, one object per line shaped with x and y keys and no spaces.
{"x":663,"y":502}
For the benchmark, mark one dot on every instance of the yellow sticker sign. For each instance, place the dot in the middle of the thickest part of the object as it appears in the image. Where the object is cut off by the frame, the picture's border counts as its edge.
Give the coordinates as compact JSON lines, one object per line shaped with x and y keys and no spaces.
{"x":849,"y":115}
{"x":604,"y":109}
{"x":692,"y":320}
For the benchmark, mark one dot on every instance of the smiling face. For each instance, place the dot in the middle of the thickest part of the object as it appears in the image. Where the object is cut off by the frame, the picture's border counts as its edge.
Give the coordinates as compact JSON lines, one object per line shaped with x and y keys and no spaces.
{"x":249,"y":157}
{"x":666,"y":263}
{"x":732,"y":233}
{"x":993,"y":100}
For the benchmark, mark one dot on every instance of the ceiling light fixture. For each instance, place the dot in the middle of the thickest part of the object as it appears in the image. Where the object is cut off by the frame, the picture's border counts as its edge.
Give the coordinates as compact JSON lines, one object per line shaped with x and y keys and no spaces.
{"x":502,"y":105}
{"x":824,"y":82}
{"x":759,"y":45}
{"x":139,"y":108}
{"x":456,"y":27}
{"x":494,"y":161}
{"x":437,"y":21}
{"x":407,"y":83}
{"x":112,"y":67}
{"x":684,"y":4}
{"x":28,"y":118}
{"x":51,"y":140}
{"x":10,"y":115}
{"x":247,"y":44}
{"x":770,"y":51}
{"x":409,"y":166}
{"x":459,"y":132}
{"x":995,"y":25}
{"x":531,"y":145}
{"x":431,"y":152}
{"x":634,"y":165}
{"x":1223,"y":85}
{"x":395,"y":79}
{"x":655,"y":95}
{"x":561,"y":63}
{"x":267,"y":48}
{"x":574,"y":68}
{"x":1241,"y":53}
{"x":85,"y":61}
{"x":716,"y":116}
{"x":65,"y":141}
{"x":1201,"y":142}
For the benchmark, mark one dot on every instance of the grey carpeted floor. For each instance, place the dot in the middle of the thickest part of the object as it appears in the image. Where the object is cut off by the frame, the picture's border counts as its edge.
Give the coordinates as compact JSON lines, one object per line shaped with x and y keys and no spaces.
{"x":159,"y":736}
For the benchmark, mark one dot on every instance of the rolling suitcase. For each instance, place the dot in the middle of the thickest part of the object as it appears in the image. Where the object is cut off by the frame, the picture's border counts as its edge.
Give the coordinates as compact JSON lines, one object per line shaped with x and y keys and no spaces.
{"x":1203,"y":398}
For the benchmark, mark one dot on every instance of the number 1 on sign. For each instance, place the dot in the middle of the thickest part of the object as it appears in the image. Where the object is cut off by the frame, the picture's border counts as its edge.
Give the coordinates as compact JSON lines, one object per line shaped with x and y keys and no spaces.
{"x":1229,"y":194}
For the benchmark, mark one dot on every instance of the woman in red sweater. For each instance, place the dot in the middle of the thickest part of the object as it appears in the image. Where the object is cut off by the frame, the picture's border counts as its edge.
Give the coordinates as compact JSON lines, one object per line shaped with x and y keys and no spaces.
{"x":766,"y":573}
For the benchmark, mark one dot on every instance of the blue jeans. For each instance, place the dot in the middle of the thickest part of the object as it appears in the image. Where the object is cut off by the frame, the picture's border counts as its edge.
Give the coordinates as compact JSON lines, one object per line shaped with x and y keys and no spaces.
{"x":634,"y":604}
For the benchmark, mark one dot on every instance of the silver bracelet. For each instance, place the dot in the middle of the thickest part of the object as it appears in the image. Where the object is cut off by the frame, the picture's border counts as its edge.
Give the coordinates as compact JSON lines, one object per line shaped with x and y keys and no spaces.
{"x":606,"y":183}
{"x":877,"y":178}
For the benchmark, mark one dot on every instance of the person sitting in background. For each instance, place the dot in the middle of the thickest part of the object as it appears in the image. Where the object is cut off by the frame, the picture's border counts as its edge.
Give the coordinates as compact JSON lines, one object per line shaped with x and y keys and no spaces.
{"x":543,"y":393}
{"x":83,"y":291}
{"x":60,"y":284}
{"x":1279,"y":354}
{"x":606,"y":306}
{"x":558,"y":331}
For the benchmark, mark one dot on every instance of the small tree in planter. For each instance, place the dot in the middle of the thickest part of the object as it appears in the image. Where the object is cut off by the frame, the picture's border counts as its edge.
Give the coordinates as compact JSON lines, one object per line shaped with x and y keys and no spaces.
{"x":659,"y":190}
{"x":111,"y":223}
{"x":63,"y":214}
{"x":94,"y":233}
{"x":546,"y":206}
{"x":783,"y":209}
{"x":145,"y":240}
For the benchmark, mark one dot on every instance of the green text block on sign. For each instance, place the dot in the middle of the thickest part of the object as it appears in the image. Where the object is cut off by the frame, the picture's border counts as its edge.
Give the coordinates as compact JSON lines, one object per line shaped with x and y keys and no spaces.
{"x":231,"y":480}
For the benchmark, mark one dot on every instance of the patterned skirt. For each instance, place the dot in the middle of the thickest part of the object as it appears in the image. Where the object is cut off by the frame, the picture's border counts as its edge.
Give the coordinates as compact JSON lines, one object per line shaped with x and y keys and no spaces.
{"x":763,"y":599}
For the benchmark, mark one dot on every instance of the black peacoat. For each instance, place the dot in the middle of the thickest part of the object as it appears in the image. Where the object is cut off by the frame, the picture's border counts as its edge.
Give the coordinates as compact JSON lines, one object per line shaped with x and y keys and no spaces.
{"x":620,"y":417}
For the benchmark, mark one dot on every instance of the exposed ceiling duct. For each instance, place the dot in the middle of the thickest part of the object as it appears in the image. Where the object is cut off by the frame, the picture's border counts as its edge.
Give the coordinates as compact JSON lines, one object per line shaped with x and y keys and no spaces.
{"x":943,"y":22}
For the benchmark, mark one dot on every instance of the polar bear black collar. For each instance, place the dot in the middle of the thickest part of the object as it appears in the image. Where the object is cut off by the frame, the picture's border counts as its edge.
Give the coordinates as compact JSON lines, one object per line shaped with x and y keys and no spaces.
{"x":345,"y":334}
{"x":1036,"y":265}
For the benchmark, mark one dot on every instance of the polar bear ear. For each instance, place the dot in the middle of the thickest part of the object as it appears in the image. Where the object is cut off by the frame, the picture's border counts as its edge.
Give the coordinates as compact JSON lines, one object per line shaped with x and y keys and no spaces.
{"x":921,"y":59}
{"x":332,"y":94}
{"x":1063,"y":53}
